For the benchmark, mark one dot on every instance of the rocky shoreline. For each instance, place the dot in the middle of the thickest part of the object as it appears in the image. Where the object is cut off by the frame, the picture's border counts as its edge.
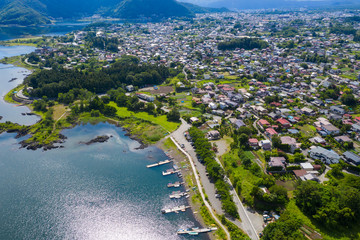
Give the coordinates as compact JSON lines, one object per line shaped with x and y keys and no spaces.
{"x":98,"y":139}
{"x":35,"y":145}
{"x":135,"y":138}
{"x":22,"y":132}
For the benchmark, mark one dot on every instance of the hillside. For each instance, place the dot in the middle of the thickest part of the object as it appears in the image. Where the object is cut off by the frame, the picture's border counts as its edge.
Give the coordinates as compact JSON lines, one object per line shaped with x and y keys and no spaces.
{"x":18,"y":12}
{"x":198,"y":9}
{"x":38,"y":12}
{"x":132,"y":9}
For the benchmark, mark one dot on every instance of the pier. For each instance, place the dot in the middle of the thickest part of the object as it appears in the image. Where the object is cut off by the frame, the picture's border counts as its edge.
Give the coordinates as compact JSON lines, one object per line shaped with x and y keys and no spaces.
{"x":159,"y":163}
{"x":169,"y":172}
{"x":195,"y":231}
{"x":178,"y":195}
{"x":177,"y":209}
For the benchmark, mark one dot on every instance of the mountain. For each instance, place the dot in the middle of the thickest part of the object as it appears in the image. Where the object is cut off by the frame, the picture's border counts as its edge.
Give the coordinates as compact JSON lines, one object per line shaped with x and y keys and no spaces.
{"x":198,"y":9}
{"x":133,"y":9}
{"x":37,"y":12}
{"x":21,"y":13}
{"x":263,"y":4}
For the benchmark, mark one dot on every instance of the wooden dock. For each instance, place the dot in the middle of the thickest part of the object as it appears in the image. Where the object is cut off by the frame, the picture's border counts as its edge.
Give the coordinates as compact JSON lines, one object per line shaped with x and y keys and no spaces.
{"x":175,"y":184}
{"x":178,"y":195}
{"x":159,"y":163}
{"x":195,"y":231}
{"x":177,"y":209}
{"x":169,"y":172}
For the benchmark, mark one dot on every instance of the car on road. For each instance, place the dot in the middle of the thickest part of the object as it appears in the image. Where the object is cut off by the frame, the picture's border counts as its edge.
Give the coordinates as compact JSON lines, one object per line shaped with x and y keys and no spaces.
{"x":182,"y":145}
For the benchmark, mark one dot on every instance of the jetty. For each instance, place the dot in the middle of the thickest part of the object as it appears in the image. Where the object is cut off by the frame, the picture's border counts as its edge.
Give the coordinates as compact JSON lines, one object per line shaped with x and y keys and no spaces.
{"x":175,"y":184}
{"x":169,"y":172}
{"x":195,"y":231}
{"x":178,"y":195}
{"x":177,"y":209}
{"x":159,"y":163}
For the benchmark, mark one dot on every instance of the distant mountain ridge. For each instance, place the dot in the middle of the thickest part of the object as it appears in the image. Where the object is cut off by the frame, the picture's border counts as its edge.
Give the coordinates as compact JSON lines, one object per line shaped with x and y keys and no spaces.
{"x":38,"y":12}
{"x":263,"y":4}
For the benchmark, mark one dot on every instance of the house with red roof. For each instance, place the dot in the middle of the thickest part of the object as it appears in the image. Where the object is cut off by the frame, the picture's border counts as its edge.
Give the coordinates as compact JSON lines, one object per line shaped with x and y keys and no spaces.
{"x":263,"y":123}
{"x":284,"y":123}
{"x":270,"y":132}
{"x":254,"y":143}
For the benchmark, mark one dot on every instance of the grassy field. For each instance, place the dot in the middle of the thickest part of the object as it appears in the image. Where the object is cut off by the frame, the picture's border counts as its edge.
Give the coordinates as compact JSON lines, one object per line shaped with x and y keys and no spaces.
{"x":159,"y":120}
{"x":247,"y":179}
{"x":17,"y":61}
{"x":308,"y":130}
{"x":59,"y":110}
{"x":30,"y":41}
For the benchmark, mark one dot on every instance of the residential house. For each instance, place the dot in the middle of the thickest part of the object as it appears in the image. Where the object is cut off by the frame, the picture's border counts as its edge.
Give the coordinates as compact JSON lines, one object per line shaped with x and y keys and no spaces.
{"x":263,"y":123}
{"x":308,"y":111}
{"x":337,"y":110}
{"x":277,"y":162}
{"x":306,"y":166}
{"x":291,"y":142}
{"x":284,"y":123}
{"x":270,"y":132}
{"x":213,"y":135}
{"x":254,"y":143}
{"x":265,"y":144}
{"x":238,"y":123}
{"x":343,"y":139}
{"x":330,"y":129}
{"x":130,"y":88}
{"x":194,"y":119}
{"x":351,"y":158}
{"x":328,"y":156}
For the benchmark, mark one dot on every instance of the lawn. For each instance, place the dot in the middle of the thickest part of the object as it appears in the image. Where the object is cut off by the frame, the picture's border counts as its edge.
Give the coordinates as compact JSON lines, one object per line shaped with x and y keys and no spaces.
{"x":245,"y":177}
{"x":162,"y":121}
{"x":308,"y":130}
{"x":59,"y":110}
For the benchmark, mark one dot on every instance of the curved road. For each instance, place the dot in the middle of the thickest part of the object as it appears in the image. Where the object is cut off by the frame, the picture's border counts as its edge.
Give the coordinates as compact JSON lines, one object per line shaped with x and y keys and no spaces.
{"x":251,"y":223}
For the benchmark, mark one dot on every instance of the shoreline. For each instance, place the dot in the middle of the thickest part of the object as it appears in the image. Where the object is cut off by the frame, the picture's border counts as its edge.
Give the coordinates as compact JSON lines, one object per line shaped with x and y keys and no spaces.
{"x":179,"y":159}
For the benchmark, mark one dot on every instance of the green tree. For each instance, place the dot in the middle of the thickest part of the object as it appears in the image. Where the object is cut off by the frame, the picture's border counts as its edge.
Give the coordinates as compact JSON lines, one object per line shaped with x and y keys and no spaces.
{"x":173,"y":115}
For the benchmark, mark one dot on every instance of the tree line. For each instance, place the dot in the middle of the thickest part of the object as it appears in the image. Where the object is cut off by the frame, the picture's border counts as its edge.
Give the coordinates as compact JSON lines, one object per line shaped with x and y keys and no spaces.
{"x":52,"y":82}
{"x":244,"y":43}
{"x":216,"y":173}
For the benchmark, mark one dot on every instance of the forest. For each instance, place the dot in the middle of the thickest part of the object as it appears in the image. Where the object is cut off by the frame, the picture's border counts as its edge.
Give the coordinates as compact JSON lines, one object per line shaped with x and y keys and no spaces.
{"x":50,"y":83}
{"x":244,"y":43}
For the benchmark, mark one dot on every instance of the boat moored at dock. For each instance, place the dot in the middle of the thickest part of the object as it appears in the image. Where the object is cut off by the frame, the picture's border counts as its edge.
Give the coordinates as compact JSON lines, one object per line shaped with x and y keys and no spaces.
{"x":178,"y":195}
{"x":169,"y":172}
{"x":177,"y":209}
{"x":175,"y":184}
{"x":195,"y":231}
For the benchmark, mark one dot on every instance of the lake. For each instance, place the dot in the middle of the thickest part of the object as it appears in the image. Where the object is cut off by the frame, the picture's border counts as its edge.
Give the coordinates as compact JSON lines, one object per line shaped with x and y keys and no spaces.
{"x":10,"y":77}
{"x":100,"y":191}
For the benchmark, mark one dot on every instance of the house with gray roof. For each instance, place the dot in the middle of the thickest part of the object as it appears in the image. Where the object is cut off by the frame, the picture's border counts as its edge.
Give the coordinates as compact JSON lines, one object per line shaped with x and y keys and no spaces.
{"x":328,"y":156}
{"x":352,"y":158}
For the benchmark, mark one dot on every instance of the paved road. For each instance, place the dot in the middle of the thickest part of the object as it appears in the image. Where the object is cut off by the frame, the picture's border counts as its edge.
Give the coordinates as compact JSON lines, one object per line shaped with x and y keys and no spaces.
{"x":178,"y":135}
{"x":251,"y":222}
{"x":198,"y":182}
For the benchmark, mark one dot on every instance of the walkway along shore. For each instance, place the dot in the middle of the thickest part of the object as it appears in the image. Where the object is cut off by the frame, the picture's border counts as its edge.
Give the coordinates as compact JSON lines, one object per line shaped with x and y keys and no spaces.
{"x":201,"y":189}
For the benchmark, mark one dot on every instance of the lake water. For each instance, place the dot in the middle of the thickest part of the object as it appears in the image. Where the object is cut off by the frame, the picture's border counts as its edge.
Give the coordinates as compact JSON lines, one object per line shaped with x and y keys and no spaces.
{"x":13,"y":112}
{"x":101,"y":191}
{"x":60,"y":28}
